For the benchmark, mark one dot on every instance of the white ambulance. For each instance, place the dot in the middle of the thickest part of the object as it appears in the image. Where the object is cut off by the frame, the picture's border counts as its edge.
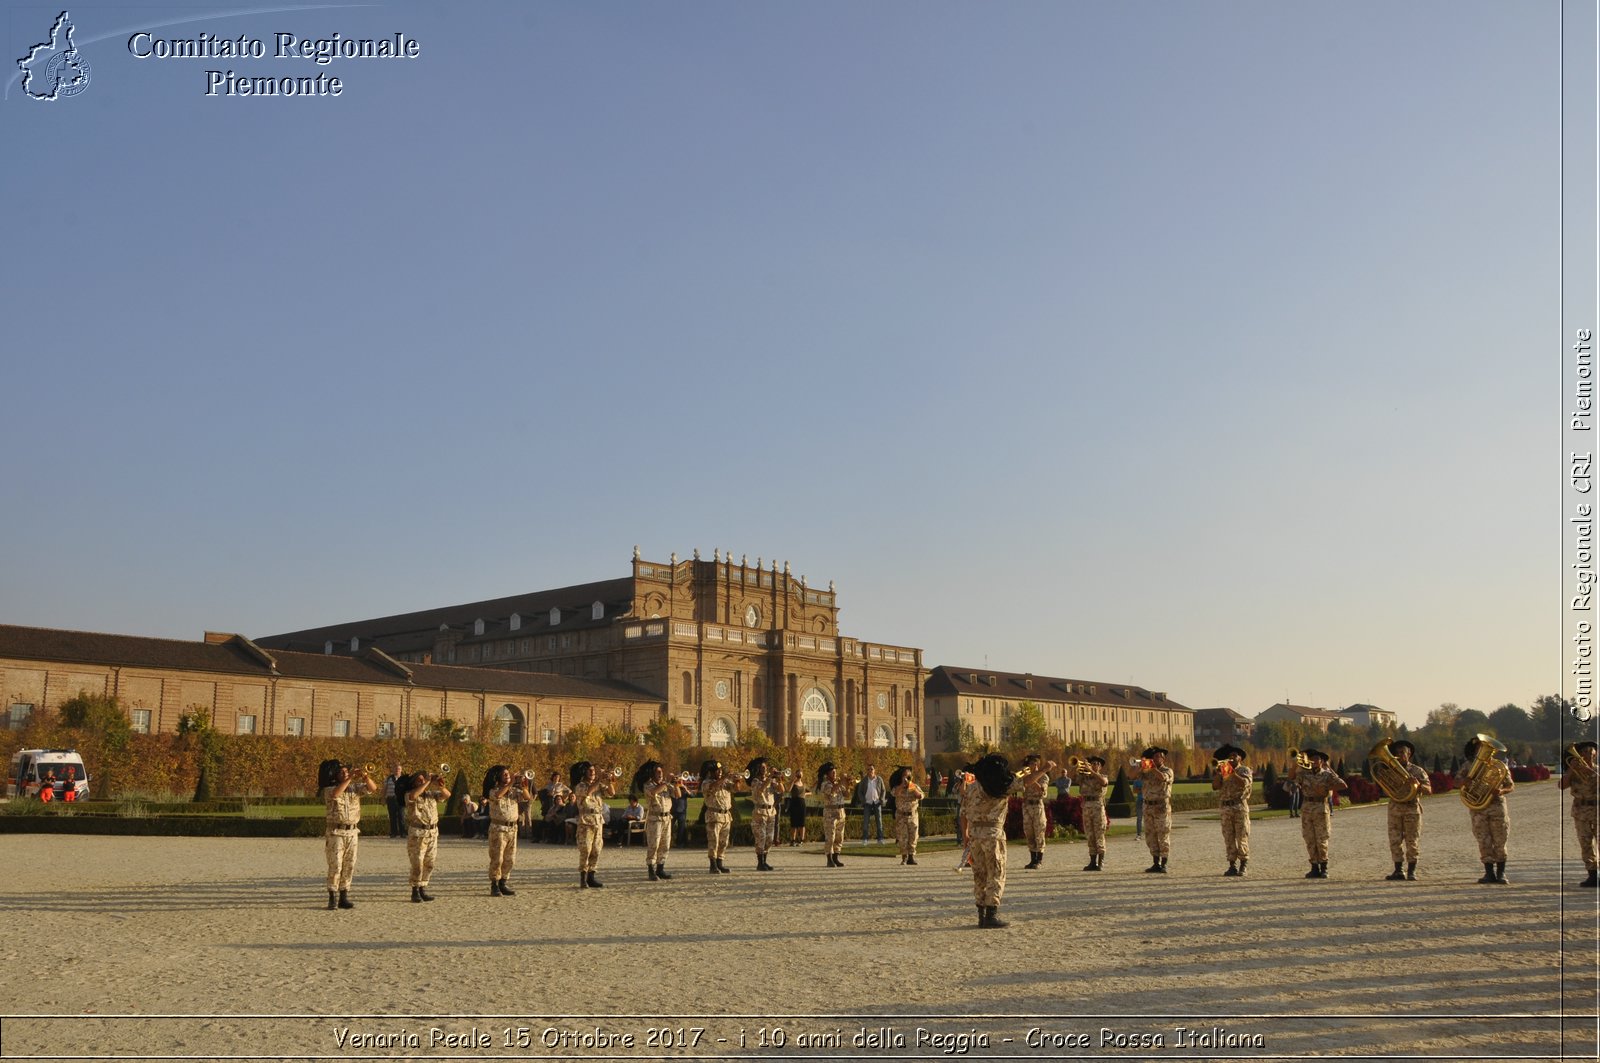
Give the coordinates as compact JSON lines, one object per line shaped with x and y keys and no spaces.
{"x":48,"y":774}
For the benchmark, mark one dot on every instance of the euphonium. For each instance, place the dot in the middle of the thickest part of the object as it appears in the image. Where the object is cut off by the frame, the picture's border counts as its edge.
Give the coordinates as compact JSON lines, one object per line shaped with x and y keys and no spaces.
{"x":1390,"y":775}
{"x":1582,"y":774}
{"x":1485,"y":775}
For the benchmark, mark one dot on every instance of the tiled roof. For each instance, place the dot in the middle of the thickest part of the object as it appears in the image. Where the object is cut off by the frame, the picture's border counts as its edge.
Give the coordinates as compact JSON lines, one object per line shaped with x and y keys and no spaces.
{"x":986,"y":682}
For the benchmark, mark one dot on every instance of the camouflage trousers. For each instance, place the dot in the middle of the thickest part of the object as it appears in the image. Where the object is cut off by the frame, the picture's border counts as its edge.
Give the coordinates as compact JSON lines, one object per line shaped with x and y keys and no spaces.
{"x":502,"y":850}
{"x":1489,"y":827}
{"x":657,"y":839}
{"x":763,"y":827}
{"x":988,"y":870}
{"x":591,"y":839}
{"x":1316,"y":825}
{"x":1033,"y":825}
{"x":717,"y":826}
{"x":906,"y":829}
{"x":833,"y":828}
{"x":1583,"y":821}
{"x":1158,"y":828}
{"x":1094,"y":827}
{"x":1405,"y":831}
{"x":422,"y":847}
{"x":340,"y":846}
{"x":1236,"y":832}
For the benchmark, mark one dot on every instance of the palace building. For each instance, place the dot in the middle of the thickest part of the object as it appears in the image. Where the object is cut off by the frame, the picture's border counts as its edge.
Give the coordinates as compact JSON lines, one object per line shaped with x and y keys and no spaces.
{"x":725,"y":646}
{"x":1086,"y":713}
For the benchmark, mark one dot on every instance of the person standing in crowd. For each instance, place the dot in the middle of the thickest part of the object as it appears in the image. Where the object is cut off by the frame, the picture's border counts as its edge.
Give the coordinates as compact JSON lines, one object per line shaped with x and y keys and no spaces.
{"x":591,"y":789}
{"x":1035,"y":778}
{"x":394,"y":799}
{"x":1405,"y":817}
{"x":869,"y":795}
{"x":933,"y":782}
{"x":765,"y":785}
{"x":659,"y":789}
{"x":1490,"y":825}
{"x":423,"y":793}
{"x":984,"y":800}
{"x":1315,"y":784}
{"x":342,"y":791}
{"x":797,"y":809}
{"x":907,"y":820}
{"x":834,"y":790}
{"x":716,"y":791}
{"x":1232,"y":779}
{"x":1092,"y":783}
{"x":500,"y":794}
{"x":1584,"y":782}
{"x":1155,"y":786}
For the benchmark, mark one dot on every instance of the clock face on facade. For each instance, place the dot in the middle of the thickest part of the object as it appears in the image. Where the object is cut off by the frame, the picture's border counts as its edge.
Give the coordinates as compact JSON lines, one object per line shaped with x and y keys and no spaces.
{"x":722,"y":689}
{"x":752,"y":616}
{"x":883,"y":701}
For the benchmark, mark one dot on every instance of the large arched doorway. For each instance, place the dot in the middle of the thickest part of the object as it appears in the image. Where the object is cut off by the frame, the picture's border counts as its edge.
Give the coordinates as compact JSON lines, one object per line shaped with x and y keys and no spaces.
{"x":509,"y":726}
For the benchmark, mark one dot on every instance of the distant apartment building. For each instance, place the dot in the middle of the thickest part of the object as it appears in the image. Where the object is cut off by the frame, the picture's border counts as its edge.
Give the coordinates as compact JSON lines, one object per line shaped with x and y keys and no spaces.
{"x":1282,"y":712}
{"x":1365,"y":716}
{"x":1219,"y":727}
{"x":1088,"y":713}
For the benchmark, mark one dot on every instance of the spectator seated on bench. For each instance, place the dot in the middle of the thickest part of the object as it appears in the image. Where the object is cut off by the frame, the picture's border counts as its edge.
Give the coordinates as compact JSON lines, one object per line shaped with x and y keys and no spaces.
{"x":474,"y":818}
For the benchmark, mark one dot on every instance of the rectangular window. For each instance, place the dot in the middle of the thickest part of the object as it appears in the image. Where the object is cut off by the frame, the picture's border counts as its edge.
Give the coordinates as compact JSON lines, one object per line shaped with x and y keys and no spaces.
{"x":247,"y":725}
{"x":341,"y":728}
{"x":19,"y":716}
{"x":549,"y":736}
{"x":386,"y":729}
{"x":296,"y":726}
{"x":141,"y":721}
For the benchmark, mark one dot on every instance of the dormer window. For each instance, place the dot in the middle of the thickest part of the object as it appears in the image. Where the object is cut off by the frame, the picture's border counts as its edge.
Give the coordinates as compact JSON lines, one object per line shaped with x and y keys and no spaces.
{"x":597,"y":611}
{"x":477,"y":626}
{"x":327,"y":647}
{"x":555,"y":617}
{"x":516,"y":622}
{"x":355,"y":644}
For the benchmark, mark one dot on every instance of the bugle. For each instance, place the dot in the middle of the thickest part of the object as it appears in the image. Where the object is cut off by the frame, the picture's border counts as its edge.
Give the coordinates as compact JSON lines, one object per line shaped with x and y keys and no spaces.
{"x":1582,"y":774}
{"x":1304,"y":762}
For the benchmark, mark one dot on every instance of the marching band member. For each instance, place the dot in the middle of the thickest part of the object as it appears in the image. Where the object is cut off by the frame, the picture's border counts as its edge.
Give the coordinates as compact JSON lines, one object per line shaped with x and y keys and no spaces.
{"x":835,"y":791}
{"x":1232,"y":780}
{"x":421,"y":794}
{"x":591,"y":791}
{"x":765,"y":785}
{"x":1315,"y":783}
{"x":342,"y":789}
{"x":1092,"y":783}
{"x":1156,"y":778}
{"x":501,"y":793}
{"x":717,"y":790}
{"x":1584,"y":782}
{"x":659,"y":789}
{"x":1405,"y":817}
{"x":1035,"y":780}
{"x":907,"y":821}
{"x":984,"y":799}
{"x":1490,"y":826}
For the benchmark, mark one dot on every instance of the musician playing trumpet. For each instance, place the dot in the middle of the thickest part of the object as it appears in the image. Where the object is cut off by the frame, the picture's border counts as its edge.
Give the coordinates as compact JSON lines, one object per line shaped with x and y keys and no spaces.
{"x":659,"y":789}
{"x":907,"y":807}
{"x":422,"y":793}
{"x":835,"y":789}
{"x":1490,"y":824}
{"x":1315,"y":783}
{"x":502,"y":794}
{"x":716,"y":788}
{"x":1035,"y":780}
{"x":342,"y":788}
{"x":591,"y":787}
{"x":1231,"y":778}
{"x":1090,"y":775}
{"x":1583,"y":779}
{"x":765,"y":786}
{"x":1152,"y":772}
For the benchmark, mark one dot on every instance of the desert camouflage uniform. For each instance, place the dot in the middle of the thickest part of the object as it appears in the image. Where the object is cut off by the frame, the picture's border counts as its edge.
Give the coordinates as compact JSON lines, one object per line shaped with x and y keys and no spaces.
{"x":1092,"y":789}
{"x":592,"y":811}
{"x":1584,"y":806}
{"x":907,"y":818}
{"x":422,"y":832}
{"x":343,"y":832}
{"x":764,"y":811}
{"x":657,"y":822}
{"x":1405,"y":820}
{"x":834,"y":799}
{"x":503,"y":816}
{"x":1316,"y":820}
{"x":719,"y":819}
{"x":1033,"y":822}
{"x":986,"y":838}
{"x":1233,"y":801}
{"x":1490,"y":825}
{"x":1157,"y":810}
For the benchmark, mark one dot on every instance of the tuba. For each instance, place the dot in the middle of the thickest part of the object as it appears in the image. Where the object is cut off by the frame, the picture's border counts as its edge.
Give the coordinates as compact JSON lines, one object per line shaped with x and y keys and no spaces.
{"x":1390,"y":775}
{"x":1583,"y":776}
{"x":1485,"y":775}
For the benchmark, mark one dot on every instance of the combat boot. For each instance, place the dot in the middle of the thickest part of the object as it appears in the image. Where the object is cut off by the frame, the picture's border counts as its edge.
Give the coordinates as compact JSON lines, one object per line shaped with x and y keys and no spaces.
{"x":1244,"y":862}
{"x":1233,"y":870}
{"x":1593,"y":880}
{"x":333,"y":900}
{"x":1500,"y":872}
{"x":423,"y":894}
{"x":650,"y":869}
{"x":1033,"y":861}
{"x":344,"y":899}
{"x":506,"y":890}
{"x":494,"y":887}
{"x":911,"y":860}
{"x":991,"y":913}
{"x":713,"y":860}
{"x":661,"y":872}
{"x":1488,"y":873}
{"x":1397,"y":875}
{"x":414,"y":898}
{"x":1411,"y":871}
{"x":594,"y":883}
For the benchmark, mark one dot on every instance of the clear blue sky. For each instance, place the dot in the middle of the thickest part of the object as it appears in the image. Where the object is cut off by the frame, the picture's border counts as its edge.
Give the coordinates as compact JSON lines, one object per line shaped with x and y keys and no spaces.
{"x":1206,"y":346}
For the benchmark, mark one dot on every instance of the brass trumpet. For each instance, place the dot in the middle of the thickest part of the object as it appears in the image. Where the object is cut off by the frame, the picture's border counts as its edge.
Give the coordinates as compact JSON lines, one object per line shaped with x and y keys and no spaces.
{"x":1582,"y":774}
{"x":1077,"y":765}
{"x":1304,"y":762}
{"x":444,"y":768}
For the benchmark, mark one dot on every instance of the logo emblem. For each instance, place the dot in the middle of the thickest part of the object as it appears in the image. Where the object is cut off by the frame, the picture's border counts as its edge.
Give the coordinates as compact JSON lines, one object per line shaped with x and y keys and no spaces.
{"x":55,"y":69}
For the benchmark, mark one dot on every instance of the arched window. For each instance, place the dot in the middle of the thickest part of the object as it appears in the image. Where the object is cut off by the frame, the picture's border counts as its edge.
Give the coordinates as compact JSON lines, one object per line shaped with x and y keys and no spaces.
{"x":816,"y":716}
{"x":910,"y":741}
{"x":508,"y":725}
{"x":721,"y":732}
{"x":688,"y":688}
{"x":883,"y":738}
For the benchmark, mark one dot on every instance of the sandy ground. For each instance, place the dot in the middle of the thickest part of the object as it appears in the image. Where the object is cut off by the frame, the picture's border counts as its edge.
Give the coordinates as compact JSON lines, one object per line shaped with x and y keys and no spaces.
{"x":220,"y":948}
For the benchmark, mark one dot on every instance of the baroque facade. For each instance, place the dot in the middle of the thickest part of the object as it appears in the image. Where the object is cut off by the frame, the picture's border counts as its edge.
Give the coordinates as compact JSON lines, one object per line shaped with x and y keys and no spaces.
{"x":1079,"y":712}
{"x":725,"y":646}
